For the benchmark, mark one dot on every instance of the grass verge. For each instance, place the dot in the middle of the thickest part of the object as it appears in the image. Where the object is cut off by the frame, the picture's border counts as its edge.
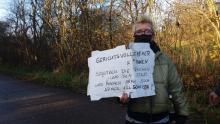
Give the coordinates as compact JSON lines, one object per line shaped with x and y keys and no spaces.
{"x":75,"y":81}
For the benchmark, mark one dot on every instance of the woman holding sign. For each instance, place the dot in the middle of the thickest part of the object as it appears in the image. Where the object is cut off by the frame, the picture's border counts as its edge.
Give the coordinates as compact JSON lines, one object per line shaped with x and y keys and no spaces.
{"x":155,"y":109}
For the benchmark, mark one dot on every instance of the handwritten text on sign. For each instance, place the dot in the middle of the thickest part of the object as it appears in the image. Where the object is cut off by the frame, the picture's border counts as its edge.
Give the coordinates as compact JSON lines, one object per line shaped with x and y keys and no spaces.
{"x":118,"y":70}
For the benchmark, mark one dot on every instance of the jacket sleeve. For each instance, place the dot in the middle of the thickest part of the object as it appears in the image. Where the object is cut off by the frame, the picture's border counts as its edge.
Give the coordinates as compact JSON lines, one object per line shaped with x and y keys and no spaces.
{"x":217,"y":90}
{"x":175,"y":88}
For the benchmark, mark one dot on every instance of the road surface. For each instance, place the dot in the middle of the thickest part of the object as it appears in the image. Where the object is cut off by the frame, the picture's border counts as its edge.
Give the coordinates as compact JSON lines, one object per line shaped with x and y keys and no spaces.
{"x":23,"y":102}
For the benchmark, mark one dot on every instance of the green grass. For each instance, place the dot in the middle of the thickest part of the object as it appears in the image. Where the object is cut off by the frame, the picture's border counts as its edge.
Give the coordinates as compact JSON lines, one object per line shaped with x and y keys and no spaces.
{"x":75,"y":81}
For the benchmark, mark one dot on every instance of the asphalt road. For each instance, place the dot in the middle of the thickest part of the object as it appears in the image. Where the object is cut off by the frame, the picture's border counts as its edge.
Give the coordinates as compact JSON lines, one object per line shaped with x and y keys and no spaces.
{"x":23,"y":102}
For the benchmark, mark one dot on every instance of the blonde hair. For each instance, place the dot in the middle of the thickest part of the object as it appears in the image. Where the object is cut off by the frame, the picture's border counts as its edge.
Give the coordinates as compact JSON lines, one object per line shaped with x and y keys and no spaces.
{"x":143,"y":20}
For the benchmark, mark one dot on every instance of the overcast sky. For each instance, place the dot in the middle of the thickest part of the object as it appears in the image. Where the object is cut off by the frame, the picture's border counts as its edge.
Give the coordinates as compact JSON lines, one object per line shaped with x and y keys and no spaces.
{"x":4,"y":9}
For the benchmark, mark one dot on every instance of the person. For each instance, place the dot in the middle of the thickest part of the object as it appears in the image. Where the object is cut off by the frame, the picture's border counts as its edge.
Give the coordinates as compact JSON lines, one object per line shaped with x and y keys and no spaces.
{"x":155,"y":109}
{"x":214,"y":96}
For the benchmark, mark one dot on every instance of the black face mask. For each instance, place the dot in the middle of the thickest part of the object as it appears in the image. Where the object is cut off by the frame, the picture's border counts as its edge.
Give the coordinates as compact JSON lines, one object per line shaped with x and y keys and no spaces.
{"x":143,"y":38}
{"x":147,"y":39}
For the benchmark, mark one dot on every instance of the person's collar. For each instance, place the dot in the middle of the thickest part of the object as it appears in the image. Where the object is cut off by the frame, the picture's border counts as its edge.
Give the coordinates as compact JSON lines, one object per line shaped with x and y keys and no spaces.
{"x":158,"y":54}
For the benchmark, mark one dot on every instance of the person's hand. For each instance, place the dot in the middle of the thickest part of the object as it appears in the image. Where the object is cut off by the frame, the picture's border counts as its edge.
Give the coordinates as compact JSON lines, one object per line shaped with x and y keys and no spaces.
{"x":124,"y":98}
{"x":213,"y":98}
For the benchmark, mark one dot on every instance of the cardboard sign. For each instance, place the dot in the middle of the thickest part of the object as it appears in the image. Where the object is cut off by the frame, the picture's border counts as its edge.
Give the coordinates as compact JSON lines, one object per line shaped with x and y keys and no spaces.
{"x":118,"y":70}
